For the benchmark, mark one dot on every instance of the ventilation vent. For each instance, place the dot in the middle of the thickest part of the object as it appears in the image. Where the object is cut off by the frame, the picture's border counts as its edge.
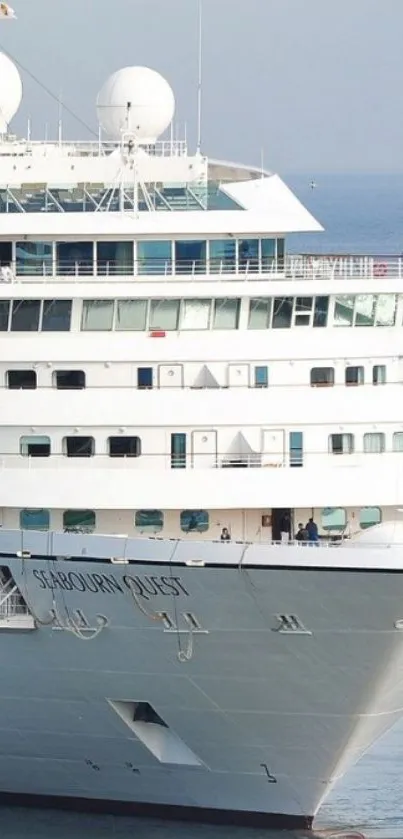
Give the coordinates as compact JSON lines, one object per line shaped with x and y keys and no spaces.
{"x":154,"y":733}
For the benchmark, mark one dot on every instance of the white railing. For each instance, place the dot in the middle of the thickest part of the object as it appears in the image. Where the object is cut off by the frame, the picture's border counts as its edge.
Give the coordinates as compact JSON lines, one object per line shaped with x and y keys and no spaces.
{"x":82,"y":148}
{"x":294,"y":267}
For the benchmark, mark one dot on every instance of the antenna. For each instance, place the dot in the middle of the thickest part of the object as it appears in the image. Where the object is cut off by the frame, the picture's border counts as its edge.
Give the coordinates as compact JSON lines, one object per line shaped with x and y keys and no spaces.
{"x":200,"y":78}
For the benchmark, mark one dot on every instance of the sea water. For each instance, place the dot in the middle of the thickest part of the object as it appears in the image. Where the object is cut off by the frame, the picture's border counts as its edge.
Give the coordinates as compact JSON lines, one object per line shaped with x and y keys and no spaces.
{"x":362,"y":214}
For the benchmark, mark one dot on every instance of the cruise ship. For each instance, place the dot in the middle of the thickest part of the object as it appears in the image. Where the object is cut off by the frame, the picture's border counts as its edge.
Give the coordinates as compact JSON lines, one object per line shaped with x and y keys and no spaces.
{"x":179,"y":393}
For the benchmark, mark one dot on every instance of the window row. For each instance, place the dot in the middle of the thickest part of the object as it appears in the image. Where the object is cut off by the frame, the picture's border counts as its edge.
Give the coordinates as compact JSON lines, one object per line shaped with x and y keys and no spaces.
{"x":80,"y":446}
{"x":353,"y":375}
{"x":139,"y":315}
{"x":151,"y":522}
{"x":374,"y":442}
{"x":84,"y":521}
{"x":163,"y":256}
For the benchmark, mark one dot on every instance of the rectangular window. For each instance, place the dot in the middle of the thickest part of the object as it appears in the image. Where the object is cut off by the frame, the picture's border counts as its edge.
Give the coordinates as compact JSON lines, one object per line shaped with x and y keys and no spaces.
{"x":178,"y":451}
{"x":341,"y":443}
{"x":282,"y":312}
{"x":398,"y":441}
{"x":97,"y":315}
{"x":69,"y":379}
{"x":259,"y":313}
{"x":34,"y":519}
{"x":25,"y":315}
{"x":75,"y":258}
{"x":365,"y":309}
{"x":4,"y":315}
{"x":303,"y":311}
{"x":131,"y":315}
{"x":334,"y":518}
{"x":296,"y":441}
{"x":386,"y":310}
{"x":154,"y":257}
{"x":21,"y":379}
{"x":261,"y":377}
{"x":222,"y":256}
{"x":379,"y":374}
{"x":34,"y":259}
{"x":164,"y":314}
{"x":268,"y":254}
{"x":190,"y":257}
{"x":195,"y":314}
{"x":6,"y":254}
{"x":35,"y":446}
{"x":144,"y":378}
{"x":248,"y":255}
{"x":56,"y":315}
{"x":374,"y":443}
{"x":226,"y":313}
{"x":114,"y":258}
{"x":344,"y":310}
{"x":79,"y":521}
{"x":79,"y":446}
{"x":124,"y":446}
{"x":321,"y":311}
{"x":322,"y":376}
{"x":354,"y":375}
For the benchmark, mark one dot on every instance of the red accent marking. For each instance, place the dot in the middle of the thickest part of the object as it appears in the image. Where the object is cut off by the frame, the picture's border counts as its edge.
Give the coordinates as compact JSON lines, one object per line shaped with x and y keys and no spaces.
{"x":157,"y":334}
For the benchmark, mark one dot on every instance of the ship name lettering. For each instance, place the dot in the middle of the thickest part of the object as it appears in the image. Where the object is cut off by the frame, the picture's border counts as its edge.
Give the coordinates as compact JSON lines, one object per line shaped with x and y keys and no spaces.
{"x":146,"y":587}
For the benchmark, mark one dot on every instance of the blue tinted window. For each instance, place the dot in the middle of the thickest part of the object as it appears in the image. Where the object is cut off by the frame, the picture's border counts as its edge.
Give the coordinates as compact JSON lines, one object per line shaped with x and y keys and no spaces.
{"x":34,"y":258}
{"x":56,"y":315}
{"x":194,"y":521}
{"x":114,"y":258}
{"x":248,"y":254}
{"x":34,"y":519}
{"x":268,"y":254}
{"x":282,"y":312}
{"x":222,"y":256}
{"x":261,"y":377}
{"x":190,"y":257}
{"x":76,"y":258}
{"x":154,"y":257}
{"x":178,"y":451}
{"x":144,"y":377}
{"x":296,"y":448}
{"x":149,"y":521}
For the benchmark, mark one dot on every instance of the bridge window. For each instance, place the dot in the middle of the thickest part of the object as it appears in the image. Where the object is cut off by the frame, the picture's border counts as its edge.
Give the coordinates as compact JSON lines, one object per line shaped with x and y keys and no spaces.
{"x":194,"y":521}
{"x":34,"y":258}
{"x":190,"y":257}
{"x":344,"y":310}
{"x":365,"y":309}
{"x":334,"y":518}
{"x":259,"y":313}
{"x":321,"y":311}
{"x":226,"y":313}
{"x":322,"y":376}
{"x":398,"y":441}
{"x":124,"y":446}
{"x":341,"y":443}
{"x":282,"y":312}
{"x":4,"y":315}
{"x":75,"y":258}
{"x":369,"y":516}
{"x":386,"y":310}
{"x":79,"y":521}
{"x":97,"y":315}
{"x":131,"y":315}
{"x":34,"y":519}
{"x":79,"y":446}
{"x":25,"y":315}
{"x":354,"y":375}
{"x":374,"y":443}
{"x":69,"y":379}
{"x":114,"y":258}
{"x":56,"y":315}
{"x":21,"y":379}
{"x":164,"y":314}
{"x":222,"y":256}
{"x":154,"y":257}
{"x":149,"y":521}
{"x":35,"y":446}
{"x":195,"y":314}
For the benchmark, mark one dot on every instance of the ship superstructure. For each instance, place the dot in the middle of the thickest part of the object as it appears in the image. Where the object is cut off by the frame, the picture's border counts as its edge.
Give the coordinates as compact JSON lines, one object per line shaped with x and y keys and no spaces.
{"x":170,"y":373}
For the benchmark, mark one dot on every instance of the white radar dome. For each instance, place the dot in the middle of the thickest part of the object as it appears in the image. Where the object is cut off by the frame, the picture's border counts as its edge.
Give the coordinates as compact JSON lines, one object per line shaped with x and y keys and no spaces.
{"x":10,"y":92}
{"x":137,"y":100}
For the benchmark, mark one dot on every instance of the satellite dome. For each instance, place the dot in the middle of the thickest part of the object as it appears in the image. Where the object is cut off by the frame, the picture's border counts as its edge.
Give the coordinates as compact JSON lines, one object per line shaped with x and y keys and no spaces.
{"x":10,"y":91}
{"x":137,"y":100}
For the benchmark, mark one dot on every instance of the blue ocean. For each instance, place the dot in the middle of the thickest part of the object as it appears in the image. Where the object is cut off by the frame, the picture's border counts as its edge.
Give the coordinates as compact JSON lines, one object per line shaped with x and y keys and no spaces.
{"x":361,"y":214}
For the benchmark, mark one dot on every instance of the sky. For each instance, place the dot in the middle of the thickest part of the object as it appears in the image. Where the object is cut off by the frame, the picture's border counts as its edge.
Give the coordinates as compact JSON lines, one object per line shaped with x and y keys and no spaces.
{"x":304,"y":85}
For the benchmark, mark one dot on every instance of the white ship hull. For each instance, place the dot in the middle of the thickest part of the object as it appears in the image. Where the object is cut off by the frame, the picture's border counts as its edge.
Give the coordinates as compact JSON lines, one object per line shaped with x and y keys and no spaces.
{"x":260,"y":719}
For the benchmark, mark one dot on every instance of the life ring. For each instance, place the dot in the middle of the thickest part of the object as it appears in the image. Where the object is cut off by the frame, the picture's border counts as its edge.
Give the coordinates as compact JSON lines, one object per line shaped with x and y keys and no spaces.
{"x":380,"y":269}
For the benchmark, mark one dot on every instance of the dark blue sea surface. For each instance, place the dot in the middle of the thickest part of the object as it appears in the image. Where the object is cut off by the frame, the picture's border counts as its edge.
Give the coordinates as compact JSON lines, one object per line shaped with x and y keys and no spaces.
{"x":361,"y":214}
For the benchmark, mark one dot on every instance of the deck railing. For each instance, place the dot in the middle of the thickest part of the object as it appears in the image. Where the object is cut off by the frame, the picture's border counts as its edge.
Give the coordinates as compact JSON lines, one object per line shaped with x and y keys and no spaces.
{"x":293,"y":267}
